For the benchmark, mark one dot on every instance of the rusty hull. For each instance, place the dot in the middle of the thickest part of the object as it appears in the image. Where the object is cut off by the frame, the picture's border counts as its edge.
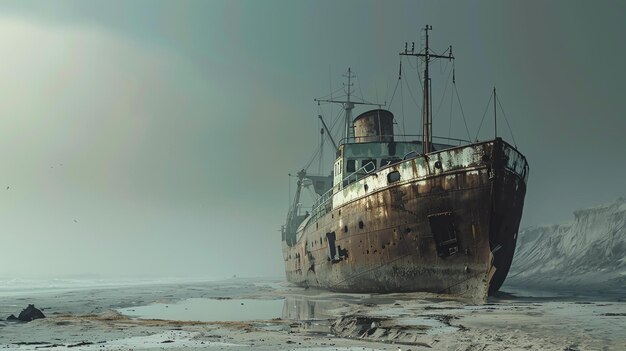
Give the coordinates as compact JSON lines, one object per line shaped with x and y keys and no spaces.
{"x":384,"y":241}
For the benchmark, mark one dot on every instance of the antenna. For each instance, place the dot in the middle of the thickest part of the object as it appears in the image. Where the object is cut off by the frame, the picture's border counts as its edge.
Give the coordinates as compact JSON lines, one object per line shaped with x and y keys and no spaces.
{"x":427,"y":126}
{"x":348,"y":105}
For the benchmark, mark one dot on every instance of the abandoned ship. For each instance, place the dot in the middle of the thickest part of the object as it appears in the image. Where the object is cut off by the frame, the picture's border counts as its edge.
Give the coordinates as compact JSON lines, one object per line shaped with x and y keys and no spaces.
{"x":407,"y":213}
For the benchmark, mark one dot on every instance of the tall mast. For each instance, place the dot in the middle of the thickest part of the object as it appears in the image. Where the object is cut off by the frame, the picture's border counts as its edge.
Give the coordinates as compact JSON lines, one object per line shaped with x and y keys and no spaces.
{"x":427,"y":127}
{"x":348,"y":105}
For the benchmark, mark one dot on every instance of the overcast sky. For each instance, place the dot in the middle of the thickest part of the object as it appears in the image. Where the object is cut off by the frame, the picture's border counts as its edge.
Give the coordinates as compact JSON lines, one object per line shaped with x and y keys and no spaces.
{"x":147,"y":138}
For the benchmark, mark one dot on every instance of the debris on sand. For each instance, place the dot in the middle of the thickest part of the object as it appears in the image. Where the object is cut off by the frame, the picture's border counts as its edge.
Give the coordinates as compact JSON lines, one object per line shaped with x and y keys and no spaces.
{"x":376,"y":329}
{"x":30,"y":313}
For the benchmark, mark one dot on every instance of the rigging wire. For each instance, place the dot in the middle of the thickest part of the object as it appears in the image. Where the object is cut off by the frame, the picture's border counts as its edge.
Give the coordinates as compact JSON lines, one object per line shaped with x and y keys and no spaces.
{"x":445,"y":69}
{"x":358,"y":80}
{"x":317,"y":150}
{"x":335,"y":134}
{"x":398,"y":82}
{"x":311,"y":193}
{"x":412,"y":97}
{"x":444,"y":95}
{"x":469,"y":138}
{"x":419,"y":76}
{"x":321,"y":156}
{"x":451,"y":108}
{"x":387,"y":91}
{"x":484,"y":114}
{"x":335,"y":120}
{"x":320,"y":148}
{"x":330,"y":88}
{"x":416,"y":68}
{"x":331,"y":94}
{"x":507,"y":121}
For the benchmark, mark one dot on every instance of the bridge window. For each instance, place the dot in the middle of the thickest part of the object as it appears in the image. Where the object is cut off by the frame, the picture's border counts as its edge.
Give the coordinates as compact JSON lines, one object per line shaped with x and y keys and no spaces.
{"x":350,"y":166}
{"x":369,"y":168}
{"x":389,"y":161}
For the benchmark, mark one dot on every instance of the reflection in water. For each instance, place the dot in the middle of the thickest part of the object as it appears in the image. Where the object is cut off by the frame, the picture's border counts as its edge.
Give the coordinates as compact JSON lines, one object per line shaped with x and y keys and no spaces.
{"x":304,"y":308}
{"x":208,"y":310}
{"x":294,"y":308}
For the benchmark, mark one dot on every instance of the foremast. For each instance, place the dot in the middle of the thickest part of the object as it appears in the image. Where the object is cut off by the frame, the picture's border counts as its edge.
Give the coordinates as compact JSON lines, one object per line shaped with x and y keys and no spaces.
{"x":427,"y":126}
{"x":348,"y":106}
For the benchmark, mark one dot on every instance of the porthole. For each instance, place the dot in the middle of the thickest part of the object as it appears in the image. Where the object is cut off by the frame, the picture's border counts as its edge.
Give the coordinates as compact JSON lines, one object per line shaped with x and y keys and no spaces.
{"x":393,"y":177}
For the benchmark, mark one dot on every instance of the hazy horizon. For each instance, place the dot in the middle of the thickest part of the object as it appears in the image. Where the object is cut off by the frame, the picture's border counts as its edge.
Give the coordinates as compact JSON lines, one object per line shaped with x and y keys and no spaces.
{"x":154,"y":138}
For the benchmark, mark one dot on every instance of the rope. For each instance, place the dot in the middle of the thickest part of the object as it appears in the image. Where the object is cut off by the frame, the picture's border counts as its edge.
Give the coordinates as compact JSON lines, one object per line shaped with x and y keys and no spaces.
{"x":312,"y":159}
{"x":507,"y":121}
{"x":462,"y":114}
{"x":416,"y":68}
{"x":360,"y":90}
{"x":332,"y":127}
{"x":451,"y":107}
{"x":330,"y":95}
{"x":444,"y":95}
{"x":411,"y":93}
{"x":311,"y":193}
{"x":387,"y":92}
{"x":320,"y":148}
{"x":484,"y":114}
{"x":398,"y":82}
{"x":419,"y":76}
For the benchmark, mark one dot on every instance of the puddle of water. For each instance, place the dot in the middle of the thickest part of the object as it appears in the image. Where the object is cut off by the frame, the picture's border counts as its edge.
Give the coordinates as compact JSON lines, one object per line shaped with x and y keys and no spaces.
{"x":209,"y":310}
{"x":302,"y":308}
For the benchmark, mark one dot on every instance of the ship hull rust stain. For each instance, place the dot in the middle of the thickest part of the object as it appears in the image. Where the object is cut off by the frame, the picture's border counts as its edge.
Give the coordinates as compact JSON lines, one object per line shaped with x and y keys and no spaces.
{"x":449,"y":227}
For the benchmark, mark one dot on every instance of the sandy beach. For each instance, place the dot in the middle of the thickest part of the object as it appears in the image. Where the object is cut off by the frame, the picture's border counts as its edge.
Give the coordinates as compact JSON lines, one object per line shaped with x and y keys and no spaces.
{"x":127,"y":318}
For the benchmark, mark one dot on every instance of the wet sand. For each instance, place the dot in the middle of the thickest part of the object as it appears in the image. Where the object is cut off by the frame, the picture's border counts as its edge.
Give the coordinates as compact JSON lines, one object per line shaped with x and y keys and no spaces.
{"x":306,"y":319}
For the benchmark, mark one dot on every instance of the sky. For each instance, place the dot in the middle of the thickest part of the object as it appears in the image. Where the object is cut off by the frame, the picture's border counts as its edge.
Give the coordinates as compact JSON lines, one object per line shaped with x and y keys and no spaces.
{"x":155,"y":138}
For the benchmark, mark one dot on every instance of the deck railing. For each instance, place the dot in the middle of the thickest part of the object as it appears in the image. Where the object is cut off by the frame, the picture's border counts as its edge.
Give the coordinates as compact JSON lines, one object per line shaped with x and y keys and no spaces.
{"x":516,"y":162}
{"x":323,"y":204}
{"x":404,"y":138}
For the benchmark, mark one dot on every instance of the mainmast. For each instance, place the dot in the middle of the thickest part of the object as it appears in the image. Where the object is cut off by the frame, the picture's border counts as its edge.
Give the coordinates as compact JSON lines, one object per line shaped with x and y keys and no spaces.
{"x":427,"y":126}
{"x":348,"y":106}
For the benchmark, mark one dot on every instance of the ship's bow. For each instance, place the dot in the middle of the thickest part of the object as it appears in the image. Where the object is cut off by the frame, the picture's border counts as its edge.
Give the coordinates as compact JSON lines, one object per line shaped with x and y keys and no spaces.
{"x":508,"y":174}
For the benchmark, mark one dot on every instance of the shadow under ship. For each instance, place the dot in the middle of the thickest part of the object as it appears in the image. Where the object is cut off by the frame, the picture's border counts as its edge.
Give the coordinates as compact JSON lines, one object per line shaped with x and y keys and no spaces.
{"x":402,"y":215}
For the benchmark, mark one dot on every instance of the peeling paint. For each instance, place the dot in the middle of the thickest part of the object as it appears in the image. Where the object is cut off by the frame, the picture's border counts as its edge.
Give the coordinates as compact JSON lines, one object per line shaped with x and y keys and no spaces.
{"x":390,"y":244}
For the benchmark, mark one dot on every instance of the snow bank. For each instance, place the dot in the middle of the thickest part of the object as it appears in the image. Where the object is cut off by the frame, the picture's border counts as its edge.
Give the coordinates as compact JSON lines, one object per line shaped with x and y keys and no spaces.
{"x":589,"y":252}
